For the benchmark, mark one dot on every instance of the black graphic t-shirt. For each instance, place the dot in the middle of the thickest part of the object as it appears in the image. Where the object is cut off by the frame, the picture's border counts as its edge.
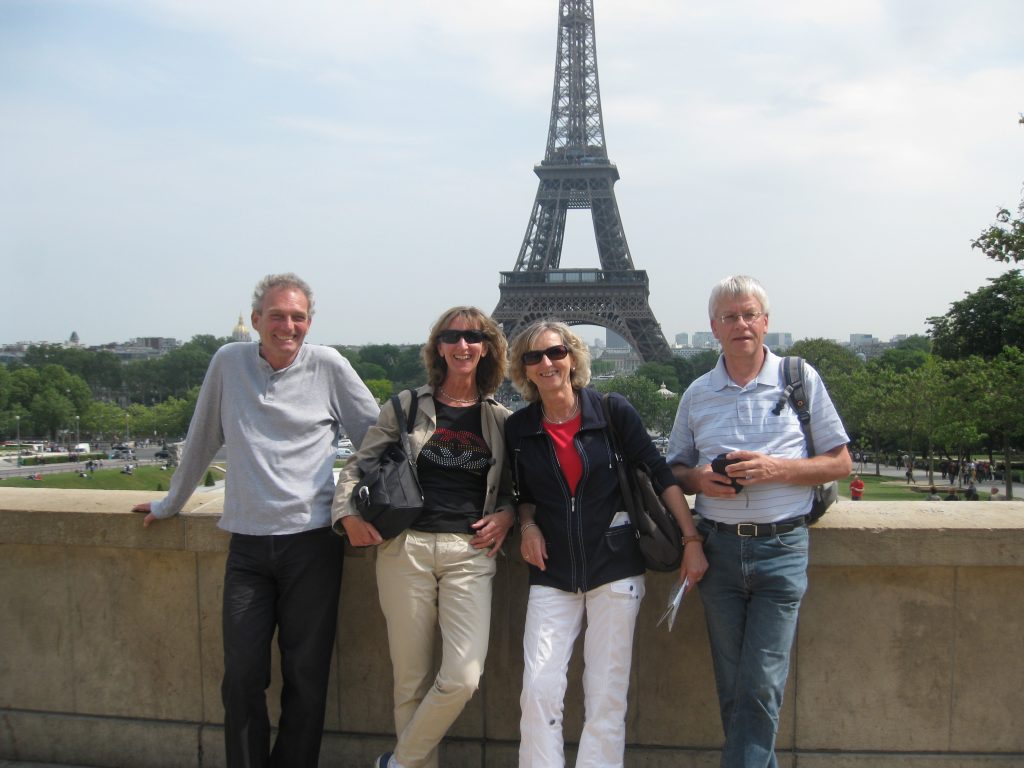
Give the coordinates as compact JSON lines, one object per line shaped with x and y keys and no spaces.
{"x":452,"y":468}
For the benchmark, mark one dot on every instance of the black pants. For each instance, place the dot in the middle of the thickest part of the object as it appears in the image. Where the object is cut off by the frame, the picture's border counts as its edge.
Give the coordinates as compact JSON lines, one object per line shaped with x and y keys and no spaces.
{"x":290,"y":582}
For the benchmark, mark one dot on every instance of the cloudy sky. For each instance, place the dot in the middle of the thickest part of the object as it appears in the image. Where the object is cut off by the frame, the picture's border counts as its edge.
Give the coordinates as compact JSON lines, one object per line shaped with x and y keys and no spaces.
{"x":158,"y":157}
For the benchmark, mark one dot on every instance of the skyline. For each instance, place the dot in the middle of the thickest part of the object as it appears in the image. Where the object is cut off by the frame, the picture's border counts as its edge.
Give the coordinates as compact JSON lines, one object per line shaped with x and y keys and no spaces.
{"x":590,"y":339}
{"x":162,"y":156}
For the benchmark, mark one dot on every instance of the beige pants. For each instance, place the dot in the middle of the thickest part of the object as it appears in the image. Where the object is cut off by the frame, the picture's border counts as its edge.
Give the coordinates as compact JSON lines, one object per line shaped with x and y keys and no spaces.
{"x":427,"y":580}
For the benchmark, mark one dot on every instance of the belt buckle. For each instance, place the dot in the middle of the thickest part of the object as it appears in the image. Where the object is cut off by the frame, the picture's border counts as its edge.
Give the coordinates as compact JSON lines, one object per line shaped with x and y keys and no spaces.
{"x":752,"y":527}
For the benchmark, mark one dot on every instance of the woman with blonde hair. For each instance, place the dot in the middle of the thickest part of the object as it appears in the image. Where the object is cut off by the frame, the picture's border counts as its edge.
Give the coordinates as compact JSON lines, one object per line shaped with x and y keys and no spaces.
{"x":579,"y":543}
{"x":439,"y":571}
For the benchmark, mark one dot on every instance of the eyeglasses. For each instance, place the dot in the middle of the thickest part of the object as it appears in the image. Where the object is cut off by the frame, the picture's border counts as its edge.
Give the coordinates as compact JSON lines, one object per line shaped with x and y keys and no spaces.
{"x":451,"y":336}
{"x":534,"y":356}
{"x":747,"y":317}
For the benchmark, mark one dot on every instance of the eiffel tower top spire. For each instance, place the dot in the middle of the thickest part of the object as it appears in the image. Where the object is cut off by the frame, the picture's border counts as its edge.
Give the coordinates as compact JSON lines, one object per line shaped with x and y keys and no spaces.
{"x":576,"y":131}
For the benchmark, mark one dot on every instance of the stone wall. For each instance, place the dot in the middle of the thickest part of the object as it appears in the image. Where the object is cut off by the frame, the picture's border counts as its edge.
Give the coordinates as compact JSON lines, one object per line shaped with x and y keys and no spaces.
{"x":909,"y":651}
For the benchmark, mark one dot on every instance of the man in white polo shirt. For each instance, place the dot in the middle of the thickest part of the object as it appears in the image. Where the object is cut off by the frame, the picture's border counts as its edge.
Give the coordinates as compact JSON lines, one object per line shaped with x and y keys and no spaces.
{"x":752,"y":513}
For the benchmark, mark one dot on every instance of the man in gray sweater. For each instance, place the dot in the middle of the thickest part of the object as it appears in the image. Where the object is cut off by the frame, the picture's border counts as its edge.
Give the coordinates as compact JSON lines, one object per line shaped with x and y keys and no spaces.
{"x":278,"y":407}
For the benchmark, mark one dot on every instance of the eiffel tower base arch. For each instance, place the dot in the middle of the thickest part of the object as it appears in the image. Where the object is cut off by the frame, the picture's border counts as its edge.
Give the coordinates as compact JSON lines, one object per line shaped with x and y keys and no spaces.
{"x":584,"y":297}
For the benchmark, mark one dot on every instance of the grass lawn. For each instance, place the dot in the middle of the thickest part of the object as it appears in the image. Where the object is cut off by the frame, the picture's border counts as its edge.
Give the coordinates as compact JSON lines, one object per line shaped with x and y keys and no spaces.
{"x":890,"y":488}
{"x":147,"y":478}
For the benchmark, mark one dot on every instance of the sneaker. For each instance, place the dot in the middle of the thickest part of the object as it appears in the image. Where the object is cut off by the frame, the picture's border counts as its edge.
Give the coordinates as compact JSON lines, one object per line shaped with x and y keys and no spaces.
{"x":384,"y":761}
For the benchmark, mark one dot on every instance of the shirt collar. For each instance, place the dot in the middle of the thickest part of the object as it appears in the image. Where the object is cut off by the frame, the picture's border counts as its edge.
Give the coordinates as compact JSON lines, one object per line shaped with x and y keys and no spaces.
{"x":768,"y":375}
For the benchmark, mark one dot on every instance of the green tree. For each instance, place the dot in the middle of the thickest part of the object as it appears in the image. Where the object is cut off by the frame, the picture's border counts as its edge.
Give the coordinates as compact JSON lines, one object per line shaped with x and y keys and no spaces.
{"x":999,"y":395}
{"x":660,"y":373}
{"x":1004,"y":240}
{"x":24,"y":384}
{"x":51,"y":412}
{"x":640,"y":391}
{"x":984,"y":322}
{"x":100,"y":370}
{"x":829,"y":359}
{"x":960,"y":429}
{"x":103,"y":420}
{"x":700,"y":364}
{"x":834,"y":363}
{"x":867,"y":410}
{"x":381,"y":389}
{"x":5,"y":387}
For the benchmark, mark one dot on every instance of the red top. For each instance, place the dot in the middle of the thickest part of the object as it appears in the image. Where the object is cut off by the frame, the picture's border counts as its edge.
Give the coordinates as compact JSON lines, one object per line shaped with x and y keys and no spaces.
{"x":856,"y":488}
{"x":565,"y":450}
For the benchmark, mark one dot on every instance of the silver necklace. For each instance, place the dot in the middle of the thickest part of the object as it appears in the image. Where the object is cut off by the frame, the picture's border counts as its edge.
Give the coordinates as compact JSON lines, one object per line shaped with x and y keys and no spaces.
{"x":569,"y":417}
{"x":454,"y":399}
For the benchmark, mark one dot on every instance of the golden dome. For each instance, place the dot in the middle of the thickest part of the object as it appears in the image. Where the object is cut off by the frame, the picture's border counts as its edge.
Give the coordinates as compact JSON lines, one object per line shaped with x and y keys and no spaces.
{"x":241,"y":333}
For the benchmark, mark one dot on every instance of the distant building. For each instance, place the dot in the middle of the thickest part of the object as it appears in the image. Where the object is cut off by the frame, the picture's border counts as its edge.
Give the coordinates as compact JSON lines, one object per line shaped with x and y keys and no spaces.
{"x":241,"y":333}
{"x":682,"y":339}
{"x":705,"y":340}
{"x":142,"y":348}
{"x":624,"y":360}
{"x":614,"y":341}
{"x":778,"y":340}
{"x":858,"y":340}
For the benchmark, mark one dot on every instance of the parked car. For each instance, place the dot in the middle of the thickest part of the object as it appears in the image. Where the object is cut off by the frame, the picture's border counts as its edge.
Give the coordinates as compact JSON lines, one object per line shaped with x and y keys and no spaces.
{"x":162,"y":454}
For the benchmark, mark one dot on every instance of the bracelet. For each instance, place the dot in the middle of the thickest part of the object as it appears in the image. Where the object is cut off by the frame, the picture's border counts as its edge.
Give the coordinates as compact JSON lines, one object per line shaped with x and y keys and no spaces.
{"x":527,"y":525}
{"x":696,"y":537}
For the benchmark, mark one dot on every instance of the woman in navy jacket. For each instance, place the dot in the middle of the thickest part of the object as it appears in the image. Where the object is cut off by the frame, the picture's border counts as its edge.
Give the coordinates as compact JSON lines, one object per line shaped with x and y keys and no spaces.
{"x":578,"y":540}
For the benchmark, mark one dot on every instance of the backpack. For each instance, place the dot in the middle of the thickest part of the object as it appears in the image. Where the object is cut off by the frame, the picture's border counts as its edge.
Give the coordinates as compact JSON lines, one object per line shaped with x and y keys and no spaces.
{"x":793,"y":374}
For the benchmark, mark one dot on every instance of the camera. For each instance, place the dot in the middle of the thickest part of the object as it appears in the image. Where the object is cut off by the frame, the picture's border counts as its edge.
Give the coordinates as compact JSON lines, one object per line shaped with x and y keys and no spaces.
{"x":719,"y":463}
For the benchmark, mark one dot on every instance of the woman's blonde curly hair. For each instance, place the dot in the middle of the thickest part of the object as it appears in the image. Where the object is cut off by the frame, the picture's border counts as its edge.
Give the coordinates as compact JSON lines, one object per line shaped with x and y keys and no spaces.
{"x":524,"y":342}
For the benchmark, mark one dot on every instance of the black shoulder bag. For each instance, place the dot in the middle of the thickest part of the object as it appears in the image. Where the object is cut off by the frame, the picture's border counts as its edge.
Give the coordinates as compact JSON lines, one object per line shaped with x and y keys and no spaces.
{"x":793,"y":373}
{"x":661,"y":540}
{"x":389,"y":494}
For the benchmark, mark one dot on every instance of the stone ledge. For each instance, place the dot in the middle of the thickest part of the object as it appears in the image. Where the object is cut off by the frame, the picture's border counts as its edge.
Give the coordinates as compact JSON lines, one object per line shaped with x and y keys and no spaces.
{"x":904,"y":533}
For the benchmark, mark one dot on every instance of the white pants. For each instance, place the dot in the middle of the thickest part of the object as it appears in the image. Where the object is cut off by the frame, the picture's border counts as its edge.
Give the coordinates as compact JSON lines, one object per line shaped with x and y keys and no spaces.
{"x":553,"y":621}
{"x":425,"y":580}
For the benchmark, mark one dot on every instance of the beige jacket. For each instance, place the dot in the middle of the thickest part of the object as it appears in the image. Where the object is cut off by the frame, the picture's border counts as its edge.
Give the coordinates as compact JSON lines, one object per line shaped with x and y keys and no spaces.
{"x":385,"y":432}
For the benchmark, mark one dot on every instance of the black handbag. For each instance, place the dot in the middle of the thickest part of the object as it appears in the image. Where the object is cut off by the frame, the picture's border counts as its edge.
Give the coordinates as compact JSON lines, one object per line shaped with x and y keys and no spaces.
{"x":659,"y":535}
{"x":388,"y":493}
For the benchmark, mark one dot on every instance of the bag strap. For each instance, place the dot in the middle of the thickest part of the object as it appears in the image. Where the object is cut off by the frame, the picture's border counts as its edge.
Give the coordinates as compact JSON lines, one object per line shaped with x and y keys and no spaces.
{"x":793,"y":373}
{"x":405,"y":427}
{"x":625,"y":487}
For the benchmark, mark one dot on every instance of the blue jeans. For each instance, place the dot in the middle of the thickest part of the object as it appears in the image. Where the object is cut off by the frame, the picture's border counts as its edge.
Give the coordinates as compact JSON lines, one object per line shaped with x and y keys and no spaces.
{"x":751,"y":595}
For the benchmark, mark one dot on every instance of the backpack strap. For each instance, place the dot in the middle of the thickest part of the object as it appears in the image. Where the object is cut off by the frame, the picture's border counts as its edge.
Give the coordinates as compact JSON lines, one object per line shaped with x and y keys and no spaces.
{"x":793,"y":374}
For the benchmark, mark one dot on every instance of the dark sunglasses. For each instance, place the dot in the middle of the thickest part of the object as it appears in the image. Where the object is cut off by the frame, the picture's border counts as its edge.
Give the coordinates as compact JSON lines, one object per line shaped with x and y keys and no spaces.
{"x":534,"y":356}
{"x":471,"y":337}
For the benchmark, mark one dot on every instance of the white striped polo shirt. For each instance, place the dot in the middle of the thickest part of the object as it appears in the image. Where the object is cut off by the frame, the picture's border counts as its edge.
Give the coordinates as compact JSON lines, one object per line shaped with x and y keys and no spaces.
{"x":716,"y":416}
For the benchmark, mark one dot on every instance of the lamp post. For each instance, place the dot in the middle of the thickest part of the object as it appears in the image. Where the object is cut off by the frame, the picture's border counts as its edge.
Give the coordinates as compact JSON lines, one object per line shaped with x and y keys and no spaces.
{"x":127,"y":418}
{"x":17,"y":426}
{"x":78,"y":433}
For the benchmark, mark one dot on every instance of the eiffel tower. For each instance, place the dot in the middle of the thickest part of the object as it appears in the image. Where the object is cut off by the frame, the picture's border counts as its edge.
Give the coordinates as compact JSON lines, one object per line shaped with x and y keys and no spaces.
{"x":577,"y":174}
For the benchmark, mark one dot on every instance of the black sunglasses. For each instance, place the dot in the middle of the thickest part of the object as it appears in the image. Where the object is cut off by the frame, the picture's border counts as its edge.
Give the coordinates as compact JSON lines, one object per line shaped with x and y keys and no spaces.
{"x":534,"y":356}
{"x":452,"y":336}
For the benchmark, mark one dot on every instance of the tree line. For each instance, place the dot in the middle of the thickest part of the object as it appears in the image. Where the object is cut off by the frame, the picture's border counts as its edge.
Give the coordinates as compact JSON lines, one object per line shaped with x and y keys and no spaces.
{"x":947,"y":395}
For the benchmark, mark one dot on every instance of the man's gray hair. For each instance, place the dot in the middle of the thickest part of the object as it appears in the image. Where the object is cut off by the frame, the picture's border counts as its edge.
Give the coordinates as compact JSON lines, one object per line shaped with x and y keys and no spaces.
{"x":735,"y":286}
{"x":283,"y":280}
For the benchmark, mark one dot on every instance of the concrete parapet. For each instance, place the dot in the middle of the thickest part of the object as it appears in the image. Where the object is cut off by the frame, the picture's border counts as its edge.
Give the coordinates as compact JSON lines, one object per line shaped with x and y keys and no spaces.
{"x":908,"y":652}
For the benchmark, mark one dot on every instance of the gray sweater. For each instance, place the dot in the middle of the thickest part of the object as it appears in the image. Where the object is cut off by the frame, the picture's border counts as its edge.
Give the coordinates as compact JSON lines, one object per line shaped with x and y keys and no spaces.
{"x":279,"y":428}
